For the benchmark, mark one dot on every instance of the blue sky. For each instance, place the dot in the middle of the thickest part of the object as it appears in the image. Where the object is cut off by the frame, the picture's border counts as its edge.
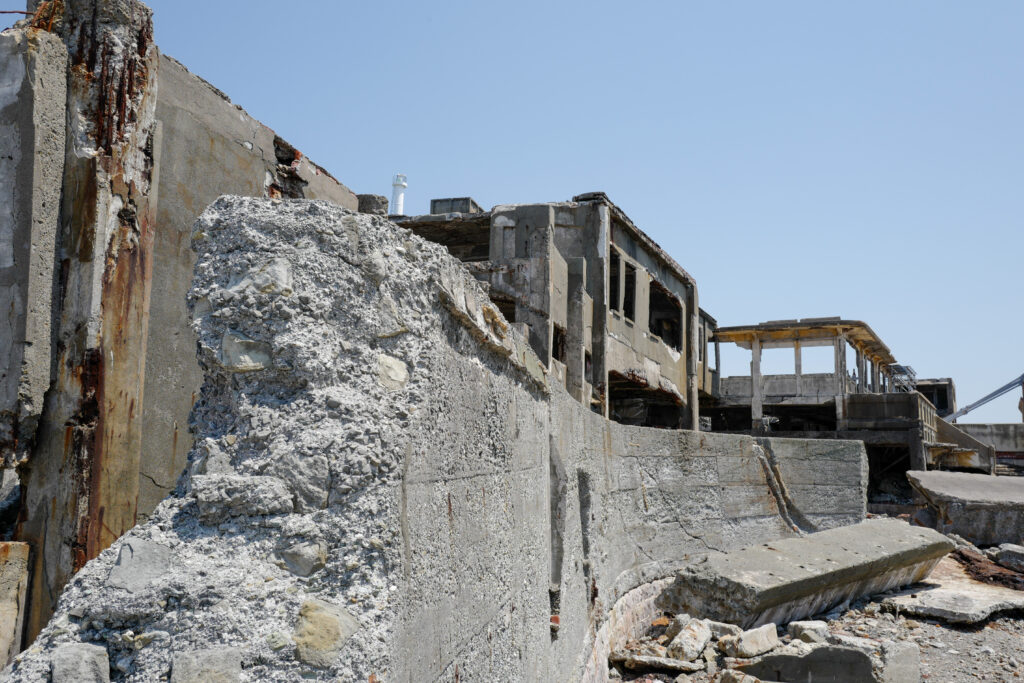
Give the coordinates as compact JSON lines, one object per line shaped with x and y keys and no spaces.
{"x":800,"y":159}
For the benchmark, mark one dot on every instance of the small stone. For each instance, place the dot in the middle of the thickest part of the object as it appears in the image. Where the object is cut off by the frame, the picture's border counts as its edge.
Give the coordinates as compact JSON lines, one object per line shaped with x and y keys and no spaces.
{"x":322,"y":630}
{"x":239,"y":353}
{"x":912,"y":623}
{"x":816,"y":630}
{"x":676,"y":625}
{"x":139,"y":563}
{"x":80,"y":663}
{"x":304,"y":558}
{"x":278,"y":641}
{"x":731,"y":676}
{"x":333,"y":403}
{"x":216,"y":665}
{"x":720,"y":628}
{"x":750,"y":643}
{"x":392,"y":373}
{"x":690,"y":642}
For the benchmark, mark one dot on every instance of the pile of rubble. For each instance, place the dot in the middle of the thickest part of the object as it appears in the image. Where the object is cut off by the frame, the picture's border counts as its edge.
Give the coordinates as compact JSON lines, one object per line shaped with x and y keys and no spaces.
{"x":684,"y":648}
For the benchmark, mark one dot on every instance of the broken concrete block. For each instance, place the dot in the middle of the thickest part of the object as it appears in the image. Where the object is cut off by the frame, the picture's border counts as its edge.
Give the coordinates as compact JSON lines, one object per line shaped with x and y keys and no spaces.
{"x":304,"y":558}
{"x":392,"y":373}
{"x":720,"y":628}
{"x":216,"y":665}
{"x":984,"y":509}
{"x":221,"y":496}
{"x":80,"y":663}
{"x":750,"y":643}
{"x":373,"y":204}
{"x":139,"y":562}
{"x":676,"y":625}
{"x":808,"y":631}
{"x":273,"y":277}
{"x":1010,"y":556}
{"x":952,"y":595}
{"x":13,"y":586}
{"x":733,"y":676}
{"x":322,"y":630}
{"x":635,"y":662}
{"x":796,"y":577}
{"x":691,"y":640}
{"x":831,"y":663}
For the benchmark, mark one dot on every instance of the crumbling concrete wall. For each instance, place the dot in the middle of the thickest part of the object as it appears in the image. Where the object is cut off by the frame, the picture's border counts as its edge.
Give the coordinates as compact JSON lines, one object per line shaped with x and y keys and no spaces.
{"x":210,"y":147}
{"x":385,"y":483}
{"x":96,"y":232}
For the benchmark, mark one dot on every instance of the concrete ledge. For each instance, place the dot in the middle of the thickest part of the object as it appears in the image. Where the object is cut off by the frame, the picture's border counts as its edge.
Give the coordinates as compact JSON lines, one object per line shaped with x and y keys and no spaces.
{"x":798,"y":577}
{"x":984,"y":509}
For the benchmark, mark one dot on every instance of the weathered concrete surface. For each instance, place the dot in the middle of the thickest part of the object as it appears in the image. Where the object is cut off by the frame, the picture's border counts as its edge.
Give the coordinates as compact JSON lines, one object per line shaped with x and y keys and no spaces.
{"x":950,"y":594}
{"x":793,"y":578}
{"x":81,"y":483}
{"x":14,"y":558}
{"x":210,"y":147}
{"x":32,"y":124}
{"x":459,"y":500}
{"x":985,"y":510}
{"x":846,"y":660}
{"x":1006,"y":438}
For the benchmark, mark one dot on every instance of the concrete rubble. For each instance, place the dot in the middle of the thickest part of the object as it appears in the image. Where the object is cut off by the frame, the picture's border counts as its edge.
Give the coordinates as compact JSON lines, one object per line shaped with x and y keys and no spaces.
{"x":794,"y":578}
{"x":982,"y":509}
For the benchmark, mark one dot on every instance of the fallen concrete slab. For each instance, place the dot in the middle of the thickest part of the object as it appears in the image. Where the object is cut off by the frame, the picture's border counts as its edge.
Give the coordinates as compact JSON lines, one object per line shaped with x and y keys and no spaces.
{"x":868,"y":661}
{"x":984,"y":509}
{"x":950,"y":594}
{"x":797,"y":577}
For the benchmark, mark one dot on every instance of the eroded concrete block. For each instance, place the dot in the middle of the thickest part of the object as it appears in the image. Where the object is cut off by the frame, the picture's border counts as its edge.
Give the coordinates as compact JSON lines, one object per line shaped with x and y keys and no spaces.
{"x":322,"y":629}
{"x":215,"y":665}
{"x":984,"y":509}
{"x":139,"y":562}
{"x":793,"y":578}
{"x":14,"y":559}
{"x":80,"y":663}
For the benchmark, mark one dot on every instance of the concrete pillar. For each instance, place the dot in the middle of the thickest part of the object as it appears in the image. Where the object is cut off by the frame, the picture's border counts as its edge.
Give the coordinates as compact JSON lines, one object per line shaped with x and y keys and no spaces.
{"x":840,"y":364}
{"x":575,"y":343}
{"x":876,"y":384}
{"x":860,"y":370}
{"x":798,"y":368}
{"x":692,"y":395}
{"x":89,"y":438}
{"x":33,"y":67}
{"x":14,"y":558}
{"x":756,"y":407}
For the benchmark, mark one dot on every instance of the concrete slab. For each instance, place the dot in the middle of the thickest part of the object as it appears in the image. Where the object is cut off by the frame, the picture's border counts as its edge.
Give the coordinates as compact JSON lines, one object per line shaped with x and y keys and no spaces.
{"x":797,"y":577}
{"x":952,"y":595}
{"x":984,"y":509}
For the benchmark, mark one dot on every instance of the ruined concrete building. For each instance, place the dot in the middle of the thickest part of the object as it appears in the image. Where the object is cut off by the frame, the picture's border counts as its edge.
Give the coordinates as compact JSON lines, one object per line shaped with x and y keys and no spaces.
{"x":612,"y":315}
{"x":248,"y":423}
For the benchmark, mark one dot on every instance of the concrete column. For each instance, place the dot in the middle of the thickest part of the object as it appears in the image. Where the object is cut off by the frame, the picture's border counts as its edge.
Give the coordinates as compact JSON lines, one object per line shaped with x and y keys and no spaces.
{"x":89,"y":438}
{"x":756,"y":407}
{"x":692,"y":395}
{"x":575,"y":344}
{"x":33,"y":66}
{"x":798,"y":367}
{"x":840,"y":381}
{"x":876,"y":377}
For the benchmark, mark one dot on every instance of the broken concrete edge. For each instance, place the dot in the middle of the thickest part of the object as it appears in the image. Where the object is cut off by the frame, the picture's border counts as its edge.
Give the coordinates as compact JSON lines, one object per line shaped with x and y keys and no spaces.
{"x":982,"y":509}
{"x":815,"y":573}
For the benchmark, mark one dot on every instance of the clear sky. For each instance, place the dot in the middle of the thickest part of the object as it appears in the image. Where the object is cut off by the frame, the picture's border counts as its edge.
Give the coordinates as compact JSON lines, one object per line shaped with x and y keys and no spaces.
{"x":799,"y":158}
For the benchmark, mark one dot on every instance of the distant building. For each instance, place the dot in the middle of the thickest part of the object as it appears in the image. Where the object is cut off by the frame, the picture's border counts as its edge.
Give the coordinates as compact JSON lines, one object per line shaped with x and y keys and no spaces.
{"x":615,"y":318}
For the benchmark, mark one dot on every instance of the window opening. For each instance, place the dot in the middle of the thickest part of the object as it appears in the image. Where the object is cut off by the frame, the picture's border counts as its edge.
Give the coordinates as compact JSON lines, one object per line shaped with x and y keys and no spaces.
{"x":613,"y":282}
{"x":666,"y":316}
{"x":629,"y":298}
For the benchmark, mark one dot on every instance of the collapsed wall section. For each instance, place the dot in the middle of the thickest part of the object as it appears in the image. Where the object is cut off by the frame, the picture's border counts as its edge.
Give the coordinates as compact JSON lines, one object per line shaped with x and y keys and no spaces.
{"x":384,"y":484}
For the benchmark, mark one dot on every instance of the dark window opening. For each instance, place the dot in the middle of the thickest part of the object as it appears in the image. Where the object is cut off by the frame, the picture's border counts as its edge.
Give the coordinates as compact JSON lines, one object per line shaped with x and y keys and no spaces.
{"x":558,"y":344}
{"x":613,"y":282}
{"x":700,"y":347}
{"x":666,"y":316}
{"x":588,"y":367}
{"x":507,"y":308}
{"x":631,"y":401}
{"x":629,"y":298}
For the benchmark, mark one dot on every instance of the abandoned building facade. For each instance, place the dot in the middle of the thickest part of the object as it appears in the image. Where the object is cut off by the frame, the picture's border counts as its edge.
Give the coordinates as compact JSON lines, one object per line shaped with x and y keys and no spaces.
{"x":101,"y":386}
{"x":614,"y":318}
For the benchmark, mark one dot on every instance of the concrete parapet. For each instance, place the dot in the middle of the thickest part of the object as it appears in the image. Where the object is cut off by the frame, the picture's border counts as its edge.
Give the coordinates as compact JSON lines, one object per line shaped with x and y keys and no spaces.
{"x":794,"y":578}
{"x":984,"y":509}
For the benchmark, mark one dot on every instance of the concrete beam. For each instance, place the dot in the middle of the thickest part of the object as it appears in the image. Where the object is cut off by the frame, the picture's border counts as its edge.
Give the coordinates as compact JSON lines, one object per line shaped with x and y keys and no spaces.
{"x":798,"y":577}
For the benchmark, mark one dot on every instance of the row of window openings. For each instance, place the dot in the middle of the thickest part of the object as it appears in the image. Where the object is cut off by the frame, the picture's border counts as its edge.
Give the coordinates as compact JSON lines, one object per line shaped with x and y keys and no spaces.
{"x":665,"y":314}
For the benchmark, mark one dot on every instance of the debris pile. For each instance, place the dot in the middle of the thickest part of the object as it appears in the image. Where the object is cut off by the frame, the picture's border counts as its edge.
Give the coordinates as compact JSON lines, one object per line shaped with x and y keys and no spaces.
{"x":685,"y":648}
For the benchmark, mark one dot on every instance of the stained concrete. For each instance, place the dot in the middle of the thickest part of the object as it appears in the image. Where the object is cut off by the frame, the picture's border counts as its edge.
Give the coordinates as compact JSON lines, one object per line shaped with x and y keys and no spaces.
{"x":467,"y":500}
{"x":795,"y":578}
{"x":32,"y":124}
{"x":983,"y":509}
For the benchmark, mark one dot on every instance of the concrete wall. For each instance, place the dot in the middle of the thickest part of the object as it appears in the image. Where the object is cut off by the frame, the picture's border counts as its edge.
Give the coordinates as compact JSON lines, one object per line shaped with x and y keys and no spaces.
{"x":1005,"y":438}
{"x":464,"y":502}
{"x":32,"y":100}
{"x":210,"y":147}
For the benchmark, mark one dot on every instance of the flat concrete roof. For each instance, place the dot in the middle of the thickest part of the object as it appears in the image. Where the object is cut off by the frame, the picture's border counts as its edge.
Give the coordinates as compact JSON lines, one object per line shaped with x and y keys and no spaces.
{"x":784,"y":331}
